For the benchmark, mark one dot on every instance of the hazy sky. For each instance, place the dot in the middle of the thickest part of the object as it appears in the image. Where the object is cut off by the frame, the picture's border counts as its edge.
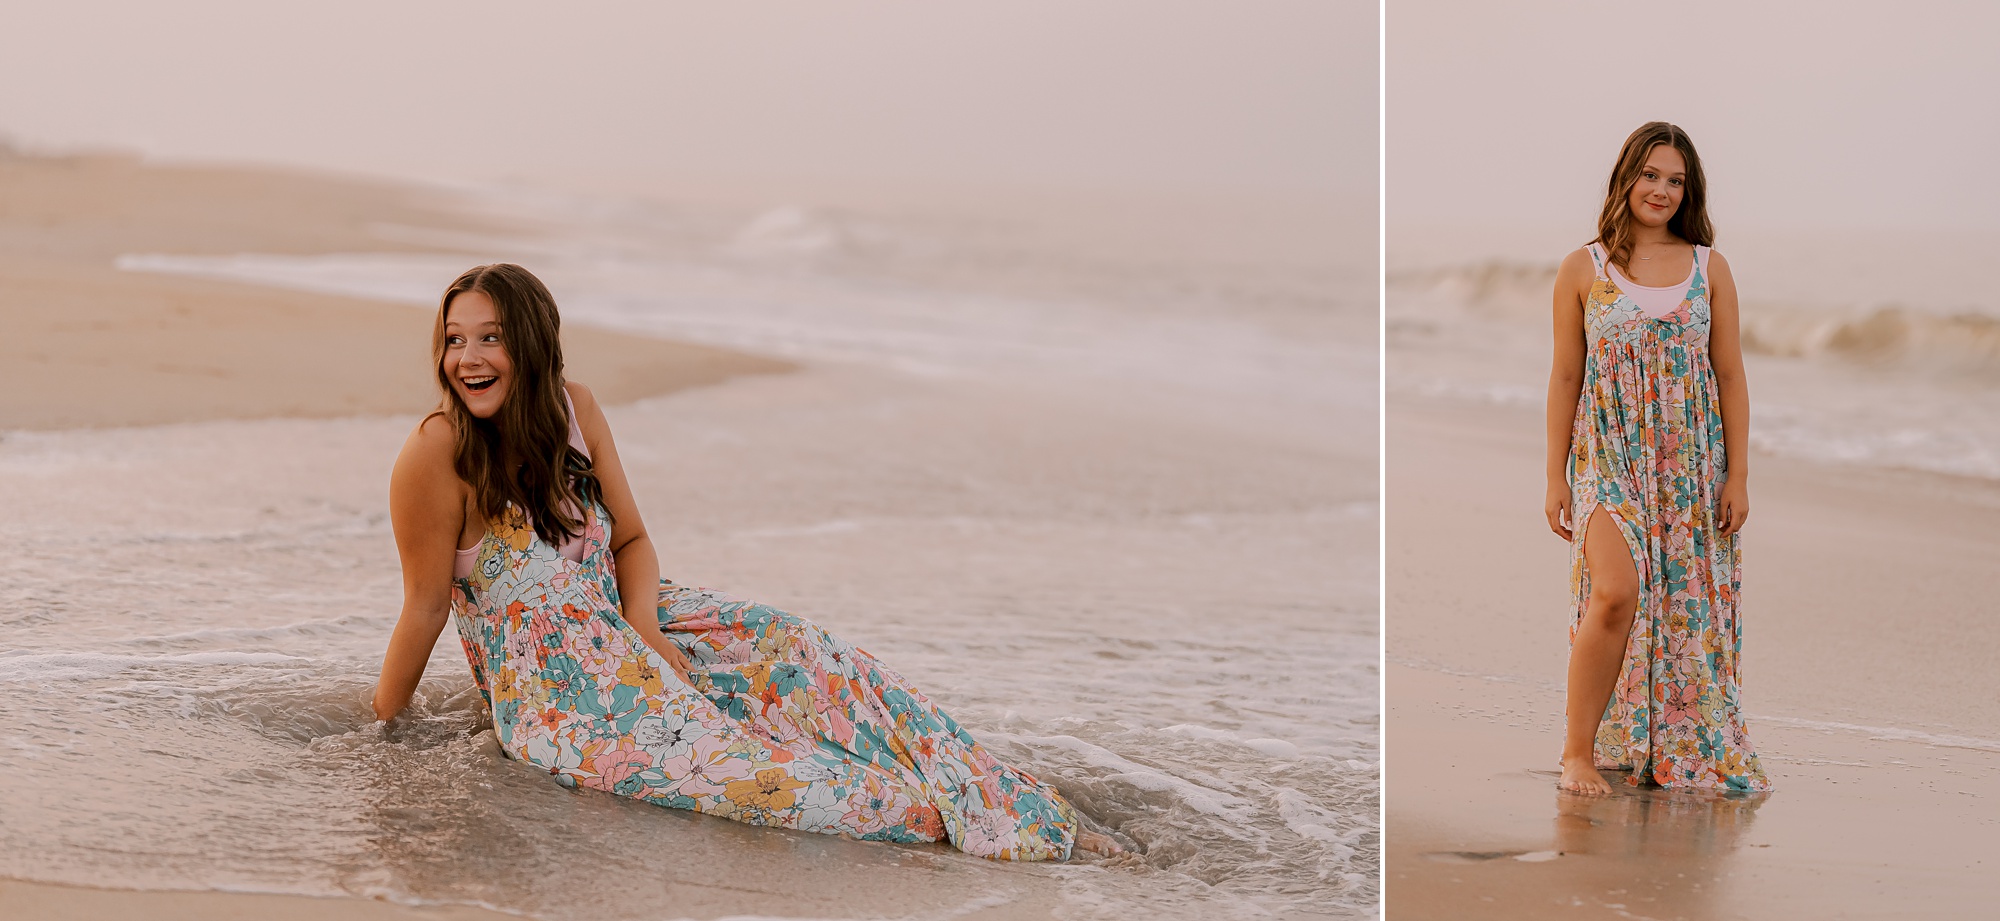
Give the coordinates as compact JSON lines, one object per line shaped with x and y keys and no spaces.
{"x":1859,"y":116}
{"x":1272,"y":100}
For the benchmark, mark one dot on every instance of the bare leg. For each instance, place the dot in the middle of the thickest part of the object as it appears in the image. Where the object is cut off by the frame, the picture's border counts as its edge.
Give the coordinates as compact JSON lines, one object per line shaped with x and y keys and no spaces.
{"x":1598,"y":651}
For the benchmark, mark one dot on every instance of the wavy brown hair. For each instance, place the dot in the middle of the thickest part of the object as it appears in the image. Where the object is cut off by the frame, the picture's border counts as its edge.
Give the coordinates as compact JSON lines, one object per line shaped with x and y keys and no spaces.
{"x":521,"y":455}
{"x":1614,"y":220}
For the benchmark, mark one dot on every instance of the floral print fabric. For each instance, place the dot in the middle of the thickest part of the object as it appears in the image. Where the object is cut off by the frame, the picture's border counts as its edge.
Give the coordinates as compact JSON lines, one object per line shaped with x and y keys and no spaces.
{"x":1647,"y":449}
{"x":785,"y":725}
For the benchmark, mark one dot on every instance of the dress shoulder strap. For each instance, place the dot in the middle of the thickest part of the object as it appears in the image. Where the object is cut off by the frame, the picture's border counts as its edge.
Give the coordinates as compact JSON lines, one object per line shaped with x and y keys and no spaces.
{"x":1597,"y":256}
{"x":575,"y":430}
{"x":1701,"y":258}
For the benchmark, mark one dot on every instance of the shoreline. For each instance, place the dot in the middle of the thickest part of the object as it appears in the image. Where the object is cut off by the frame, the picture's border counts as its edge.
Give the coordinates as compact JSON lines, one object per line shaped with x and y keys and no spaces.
{"x":1855,"y":587}
{"x":23,"y":899}
{"x":866,"y":884}
{"x":91,"y":346}
{"x":1034,"y":549}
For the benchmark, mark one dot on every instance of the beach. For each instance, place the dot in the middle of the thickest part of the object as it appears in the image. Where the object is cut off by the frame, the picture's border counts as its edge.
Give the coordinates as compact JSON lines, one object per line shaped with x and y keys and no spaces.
{"x":1115,"y":513}
{"x":90,"y":345}
{"x":1868,"y":687}
{"x":41,"y":900}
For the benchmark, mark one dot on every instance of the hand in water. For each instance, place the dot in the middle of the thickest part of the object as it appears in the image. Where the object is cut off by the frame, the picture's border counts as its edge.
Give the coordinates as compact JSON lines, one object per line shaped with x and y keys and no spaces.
{"x":1098,"y":843}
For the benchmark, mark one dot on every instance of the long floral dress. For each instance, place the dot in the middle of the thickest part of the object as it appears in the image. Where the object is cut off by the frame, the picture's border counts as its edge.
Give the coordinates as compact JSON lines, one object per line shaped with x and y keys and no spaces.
{"x":1647,"y":448}
{"x":785,"y":725}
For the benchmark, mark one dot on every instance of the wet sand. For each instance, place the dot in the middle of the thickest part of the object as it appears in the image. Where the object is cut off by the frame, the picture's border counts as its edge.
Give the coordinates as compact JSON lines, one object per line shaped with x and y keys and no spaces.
{"x":85,"y":344}
{"x":19,"y":900}
{"x":1043,"y":554}
{"x":1866,"y":679}
{"x":838,"y":889}
{"x":975,"y":571}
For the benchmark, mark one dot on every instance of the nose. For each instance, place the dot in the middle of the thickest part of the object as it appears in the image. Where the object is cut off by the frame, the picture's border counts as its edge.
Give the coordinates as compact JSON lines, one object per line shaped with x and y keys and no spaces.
{"x":474,"y":356}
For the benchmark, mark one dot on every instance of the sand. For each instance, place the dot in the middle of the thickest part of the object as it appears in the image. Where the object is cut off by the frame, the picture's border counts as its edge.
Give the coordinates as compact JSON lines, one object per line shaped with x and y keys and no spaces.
{"x":19,"y":900}
{"x":1043,"y":547}
{"x":920,"y":884}
{"x":1867,"y":680}
{"x":84,"y":344}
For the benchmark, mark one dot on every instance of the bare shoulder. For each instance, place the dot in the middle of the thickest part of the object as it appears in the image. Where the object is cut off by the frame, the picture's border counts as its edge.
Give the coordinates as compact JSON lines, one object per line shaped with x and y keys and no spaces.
{"x":1574,"y":276}
{"x":589,"y":416}
{"x":426,"y":497}
{"x":580,"y":395}
{"x":1578,"y":264}
{"x":433,"y":437}
{"x":1717,"y":265}
{"x":1721,"y":285}
{"x":429,"y":451}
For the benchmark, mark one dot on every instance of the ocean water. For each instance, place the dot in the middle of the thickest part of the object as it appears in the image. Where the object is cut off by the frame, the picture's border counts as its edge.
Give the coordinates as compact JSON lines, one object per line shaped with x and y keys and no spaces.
{"x":1115,"y":513}
{"x":1875,"y":352}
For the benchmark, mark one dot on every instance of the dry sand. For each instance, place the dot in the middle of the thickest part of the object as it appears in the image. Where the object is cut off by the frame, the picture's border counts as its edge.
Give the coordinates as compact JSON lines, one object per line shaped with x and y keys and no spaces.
{"x":1868,"y":682}
{"x":84,"y":344}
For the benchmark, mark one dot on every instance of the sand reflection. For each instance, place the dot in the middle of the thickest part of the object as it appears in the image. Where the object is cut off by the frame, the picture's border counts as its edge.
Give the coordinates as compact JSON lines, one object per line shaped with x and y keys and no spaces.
{"x":1653,"y":823}
{"x":1651,"y":849}
{"x":1647,"y":852}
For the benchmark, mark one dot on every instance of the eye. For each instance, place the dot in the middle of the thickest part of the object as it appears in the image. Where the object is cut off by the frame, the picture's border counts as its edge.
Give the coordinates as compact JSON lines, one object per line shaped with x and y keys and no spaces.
{"x":1674,"y":182}
{"x":454,"y":340}
{"x":1649,"y":175}
{"x":492,"y":337}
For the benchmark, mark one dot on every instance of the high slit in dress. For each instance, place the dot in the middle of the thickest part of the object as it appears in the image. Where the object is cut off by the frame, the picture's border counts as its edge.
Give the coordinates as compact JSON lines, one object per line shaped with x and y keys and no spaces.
{"x":784,"y":725}
{"x":1647,"y":449}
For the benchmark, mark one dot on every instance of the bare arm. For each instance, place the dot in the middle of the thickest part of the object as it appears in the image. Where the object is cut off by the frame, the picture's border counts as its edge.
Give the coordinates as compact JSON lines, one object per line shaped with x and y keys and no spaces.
{"x":637,"y":563}
{"x":1725,"y":353}
{"x":427,"y":511}
{"x":1573,"y":282}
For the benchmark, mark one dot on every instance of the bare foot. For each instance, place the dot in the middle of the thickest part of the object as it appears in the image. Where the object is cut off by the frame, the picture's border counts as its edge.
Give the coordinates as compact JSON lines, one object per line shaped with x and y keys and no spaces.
{"x":1580,"y":776}
{"x":1097,"y":843}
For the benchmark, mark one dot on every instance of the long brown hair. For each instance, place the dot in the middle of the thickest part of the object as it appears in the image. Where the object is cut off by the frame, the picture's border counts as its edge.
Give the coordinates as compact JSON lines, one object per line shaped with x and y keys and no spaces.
{"x":1690,"y":221}
{"x":522,"y":454}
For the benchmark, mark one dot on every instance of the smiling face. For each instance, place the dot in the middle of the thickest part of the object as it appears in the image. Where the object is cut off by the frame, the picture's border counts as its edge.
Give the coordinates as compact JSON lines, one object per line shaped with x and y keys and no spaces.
{"x":475,"y":361}
{"x":1662,"y":181}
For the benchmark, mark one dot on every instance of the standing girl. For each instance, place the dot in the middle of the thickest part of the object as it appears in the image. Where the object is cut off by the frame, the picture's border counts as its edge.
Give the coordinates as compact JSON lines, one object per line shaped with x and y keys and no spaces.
{"x":1648,"y":462}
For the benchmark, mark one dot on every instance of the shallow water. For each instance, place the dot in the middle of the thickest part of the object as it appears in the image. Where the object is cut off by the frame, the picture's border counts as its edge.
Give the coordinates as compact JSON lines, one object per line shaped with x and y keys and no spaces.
{"x":1119,"y":518}
{"x":1890,"y":362}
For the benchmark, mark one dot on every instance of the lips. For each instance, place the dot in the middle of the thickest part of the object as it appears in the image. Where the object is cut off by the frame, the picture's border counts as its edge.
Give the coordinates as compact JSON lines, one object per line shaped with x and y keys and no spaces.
{"x":479,"y":384}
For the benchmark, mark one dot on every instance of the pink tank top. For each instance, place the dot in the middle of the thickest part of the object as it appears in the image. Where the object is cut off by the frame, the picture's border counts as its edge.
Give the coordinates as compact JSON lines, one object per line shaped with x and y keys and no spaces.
{"x":1651,"y":301}
{"x":572,"y":549}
